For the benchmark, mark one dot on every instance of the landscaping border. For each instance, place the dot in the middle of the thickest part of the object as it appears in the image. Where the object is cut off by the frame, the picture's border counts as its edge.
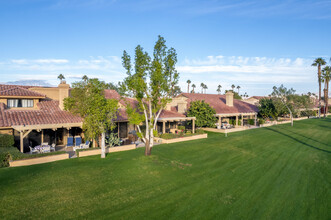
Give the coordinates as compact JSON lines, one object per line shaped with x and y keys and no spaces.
{"x":38,"y":160}
{"x":181,"y":139}
{"x":90,"y":152}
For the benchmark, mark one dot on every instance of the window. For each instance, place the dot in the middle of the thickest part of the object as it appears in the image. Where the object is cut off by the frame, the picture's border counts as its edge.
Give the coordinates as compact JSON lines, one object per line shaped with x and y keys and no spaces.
{"x":20,"y":103}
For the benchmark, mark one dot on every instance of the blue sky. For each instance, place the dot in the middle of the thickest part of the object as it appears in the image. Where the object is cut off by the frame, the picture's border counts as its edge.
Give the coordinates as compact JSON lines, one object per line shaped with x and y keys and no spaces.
{"x":254,"y":44}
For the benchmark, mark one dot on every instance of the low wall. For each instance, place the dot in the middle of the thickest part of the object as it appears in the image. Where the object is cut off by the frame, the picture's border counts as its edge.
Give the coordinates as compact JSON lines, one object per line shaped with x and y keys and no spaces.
{"x":108,"y":150}
{"x":283,"y":122}
{"x":38,"y":160}
{"x":175,"y":140}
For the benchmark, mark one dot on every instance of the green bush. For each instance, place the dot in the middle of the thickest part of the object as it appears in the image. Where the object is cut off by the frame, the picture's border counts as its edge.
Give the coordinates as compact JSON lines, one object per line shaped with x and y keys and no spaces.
{"x":6,"y":140}
{"x":261,"y":121}
{"x":168,"y":136}
{"x":182,"y":128}
{"x":251,"y":121}
{"x":188,"y":132}
{"x":199,"y":131}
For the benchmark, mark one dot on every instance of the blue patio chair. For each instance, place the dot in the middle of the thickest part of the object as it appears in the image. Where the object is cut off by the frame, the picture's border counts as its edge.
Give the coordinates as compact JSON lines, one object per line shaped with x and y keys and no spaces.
{"x":78,"y":140}
{"x":70,"y":141}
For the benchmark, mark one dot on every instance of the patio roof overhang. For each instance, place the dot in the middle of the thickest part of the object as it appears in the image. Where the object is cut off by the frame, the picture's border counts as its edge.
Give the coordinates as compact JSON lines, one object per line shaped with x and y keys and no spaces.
{"x":176,"y":119}
{"x":235,"y":114}
{"x":47,"y":126}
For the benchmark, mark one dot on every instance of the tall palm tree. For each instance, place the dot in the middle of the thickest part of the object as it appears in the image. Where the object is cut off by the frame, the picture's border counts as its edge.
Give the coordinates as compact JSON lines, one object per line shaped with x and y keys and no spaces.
{"x":61,"y":77}
{"x":193,"y":86}
{"x":188,"y":85}
{"x":202,"y":85}
{"x":326,"y":76}
{"x":238,"y":87}
{"x":319,"y":62}
{"x":219,"y":89}
{"x":205,"y":87}
{"x":233,"y":86}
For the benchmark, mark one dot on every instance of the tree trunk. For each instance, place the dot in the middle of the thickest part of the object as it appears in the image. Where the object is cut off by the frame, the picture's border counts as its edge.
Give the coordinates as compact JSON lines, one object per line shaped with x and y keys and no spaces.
{"x":148,"y":149}
{"x":103,"y":147}
{"x":327,"y":98}
{"x":319,"y":91}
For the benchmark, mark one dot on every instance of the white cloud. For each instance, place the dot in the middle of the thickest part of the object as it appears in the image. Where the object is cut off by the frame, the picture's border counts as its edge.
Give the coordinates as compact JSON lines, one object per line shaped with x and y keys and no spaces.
{"x":58,"y":61}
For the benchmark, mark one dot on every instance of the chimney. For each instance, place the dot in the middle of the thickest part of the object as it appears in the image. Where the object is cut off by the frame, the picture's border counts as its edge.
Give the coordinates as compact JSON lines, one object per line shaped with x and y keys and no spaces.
{"x":181,"y":107}
{"x":63,"y":93}
{"x":229,"y":98}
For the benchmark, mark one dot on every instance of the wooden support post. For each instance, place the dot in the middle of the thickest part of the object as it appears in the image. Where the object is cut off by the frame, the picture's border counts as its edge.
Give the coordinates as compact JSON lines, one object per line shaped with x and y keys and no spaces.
{"x":118,"y":129}
{"x":242,"y":120}
{"x":255,"y":120}
{"x":42,"y":136}
{"x":219,"y":120}
{"x":237,"y":121}
{"x":193,"y":126}
{"x":21,"y":141}
{"x":163,"y":127}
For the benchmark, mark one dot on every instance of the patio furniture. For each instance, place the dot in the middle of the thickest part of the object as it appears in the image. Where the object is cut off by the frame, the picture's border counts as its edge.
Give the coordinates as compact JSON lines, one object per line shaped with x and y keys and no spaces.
{"x":82,"y":146}
{"x":53,"y":147}
{"x":46,"y":149}
{"x":78,"y":140}
{"x":32,"y":150}
{"x":70,"y":142}
{"x":44,"y":144}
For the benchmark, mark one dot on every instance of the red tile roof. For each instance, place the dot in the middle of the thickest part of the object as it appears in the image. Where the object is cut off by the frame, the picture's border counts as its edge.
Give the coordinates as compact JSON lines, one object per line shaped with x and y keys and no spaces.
{"x":48,"y":113}
{"x":12,"y":90}
{"x":259,"y":97}
{"x":219,"y":104}
{"x":171,"y":114}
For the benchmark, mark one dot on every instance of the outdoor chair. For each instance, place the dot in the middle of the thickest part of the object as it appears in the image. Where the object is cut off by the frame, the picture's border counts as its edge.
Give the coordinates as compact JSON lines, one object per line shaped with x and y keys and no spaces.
{"x":46,"y":149}
{"x":78,"y":140}
{"x":85,"y":146}
{"x":44,"y":144}
{"x":53,"y":147}
{"x":70,"y":142}
{"x":32,"y":150}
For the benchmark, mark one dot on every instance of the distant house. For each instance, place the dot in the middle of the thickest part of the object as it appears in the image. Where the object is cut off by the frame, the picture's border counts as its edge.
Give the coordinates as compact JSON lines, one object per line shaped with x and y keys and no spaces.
{"x":226,"y":106}
{"x":254,"y":100}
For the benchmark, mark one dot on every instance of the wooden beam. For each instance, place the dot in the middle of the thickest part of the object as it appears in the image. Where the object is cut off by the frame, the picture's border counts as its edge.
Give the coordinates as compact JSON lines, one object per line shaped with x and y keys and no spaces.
{"x":193,"y":126}
{"x":163,"y":127}
{"x":21,"y":141}
{"x":26,"y":133}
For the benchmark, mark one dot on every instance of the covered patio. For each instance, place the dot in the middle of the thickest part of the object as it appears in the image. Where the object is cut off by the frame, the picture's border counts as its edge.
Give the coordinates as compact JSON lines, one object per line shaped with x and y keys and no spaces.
{"x":171,"y":124}
{"x":61,"y":132}
{"x":237,"y":116}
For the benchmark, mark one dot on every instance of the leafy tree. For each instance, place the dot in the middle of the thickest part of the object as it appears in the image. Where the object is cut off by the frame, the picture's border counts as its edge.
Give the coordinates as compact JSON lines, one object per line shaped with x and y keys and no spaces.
{"x":61,"y":77}
{"x":319,"y":62}
{"x":282,"y":95}
{"x":326,"y":75}
{"x":204,"y":113}
{"x":188,"y":85}
{"x":85,"y":78}
{"x":152,"y":83}
{"x":87,"y":100}
{"x":219,"y":89}
{"x":267,"y":108}
{"x":176,"y":91}
{"x":193,"y":86}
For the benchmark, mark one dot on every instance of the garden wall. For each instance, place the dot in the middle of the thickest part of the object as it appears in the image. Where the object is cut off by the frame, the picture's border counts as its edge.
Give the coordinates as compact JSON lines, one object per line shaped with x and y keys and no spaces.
{"x":180,"y":139}
{"x":38,"y":160}
{"x":86,"y":153}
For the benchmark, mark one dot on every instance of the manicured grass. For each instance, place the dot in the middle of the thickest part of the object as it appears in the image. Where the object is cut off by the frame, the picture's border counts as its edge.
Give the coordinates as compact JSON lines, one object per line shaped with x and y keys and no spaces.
{"x":277,"y":172}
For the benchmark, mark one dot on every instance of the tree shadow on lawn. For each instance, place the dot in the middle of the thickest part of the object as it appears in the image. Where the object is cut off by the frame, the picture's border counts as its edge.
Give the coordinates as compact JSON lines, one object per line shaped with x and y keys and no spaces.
{"x":293,"y":138}
{"x":309,"y":138}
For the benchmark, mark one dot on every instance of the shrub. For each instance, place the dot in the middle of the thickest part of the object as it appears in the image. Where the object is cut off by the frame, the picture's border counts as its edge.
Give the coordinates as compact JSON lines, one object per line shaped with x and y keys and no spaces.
{"x":199,"y":131}
{"x":261,"y":121}
{"x":167,"y":136}
{"x":204,"y":113}
{"x":6,"y":140}
{"x":251,"y":121}
{"x":188,"y":132}
{"x":182,"y":128}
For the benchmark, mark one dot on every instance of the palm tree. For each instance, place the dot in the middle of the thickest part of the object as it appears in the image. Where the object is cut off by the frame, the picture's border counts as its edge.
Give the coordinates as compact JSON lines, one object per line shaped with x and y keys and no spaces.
{"x":202,"y":85}
{"x":245,"y":95}
{"x":188,"y":85}
{"x":238,"y":87}
{"x":233,"y":86}
{"x":193,"y":86}
{"x":326,"y":76}
{"x":85,"y":78}
{"x":219,"y":89}
{"x":61,"y":77}
{"x":319,"y":62}
{"x":205,"y":87}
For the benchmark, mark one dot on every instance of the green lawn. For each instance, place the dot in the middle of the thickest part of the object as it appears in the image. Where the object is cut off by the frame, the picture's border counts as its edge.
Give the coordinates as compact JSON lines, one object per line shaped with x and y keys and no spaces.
{"x":278,"y":172}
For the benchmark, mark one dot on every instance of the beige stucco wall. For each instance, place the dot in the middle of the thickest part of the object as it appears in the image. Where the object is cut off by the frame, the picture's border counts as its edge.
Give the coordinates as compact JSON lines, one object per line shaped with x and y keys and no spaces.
{"x":179,"y":102}
{"x":6,"y":131}
{"x":175,"y":140}
{"x":108,"y":150}
{"x":38,"y":160}
{"x":52,"y":93}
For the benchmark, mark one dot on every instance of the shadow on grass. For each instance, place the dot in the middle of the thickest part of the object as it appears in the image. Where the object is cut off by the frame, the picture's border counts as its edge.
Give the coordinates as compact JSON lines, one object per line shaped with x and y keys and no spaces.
{"x":309,"y":138}
{"x":293,"y":138}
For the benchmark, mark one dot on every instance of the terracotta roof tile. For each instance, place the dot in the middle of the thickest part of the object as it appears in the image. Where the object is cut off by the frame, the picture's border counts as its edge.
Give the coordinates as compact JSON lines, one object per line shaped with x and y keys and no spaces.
{"x":218,"y":103}
{"x":10,"y":90}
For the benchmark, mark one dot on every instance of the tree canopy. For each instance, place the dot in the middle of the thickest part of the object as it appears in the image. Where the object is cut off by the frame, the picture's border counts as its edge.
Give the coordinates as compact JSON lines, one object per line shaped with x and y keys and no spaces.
{"x":204,"y":113}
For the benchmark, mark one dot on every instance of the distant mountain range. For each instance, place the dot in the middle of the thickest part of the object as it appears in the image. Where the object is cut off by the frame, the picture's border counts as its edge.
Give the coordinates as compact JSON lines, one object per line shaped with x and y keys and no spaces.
{"x":30,"y":83}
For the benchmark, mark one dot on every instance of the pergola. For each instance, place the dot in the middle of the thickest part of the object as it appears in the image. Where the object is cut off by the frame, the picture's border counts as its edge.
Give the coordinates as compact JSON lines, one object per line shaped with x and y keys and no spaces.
{"x":24,"y":130}
{"x":177,"y":119}
{"x":237,"y":115}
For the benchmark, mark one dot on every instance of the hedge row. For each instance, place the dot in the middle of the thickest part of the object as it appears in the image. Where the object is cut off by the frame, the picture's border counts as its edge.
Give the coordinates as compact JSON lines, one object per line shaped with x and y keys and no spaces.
{"x":6,"y":140}
{"x":12,"y":153}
